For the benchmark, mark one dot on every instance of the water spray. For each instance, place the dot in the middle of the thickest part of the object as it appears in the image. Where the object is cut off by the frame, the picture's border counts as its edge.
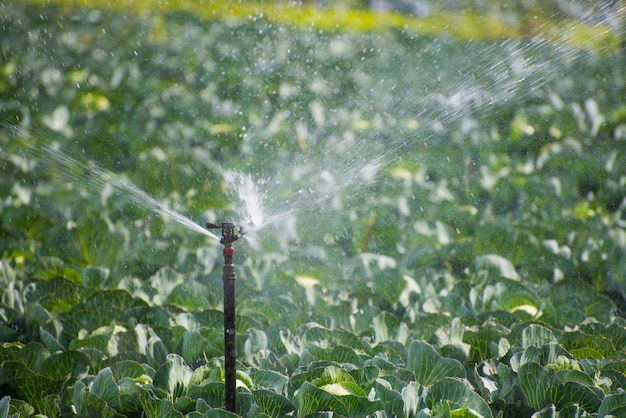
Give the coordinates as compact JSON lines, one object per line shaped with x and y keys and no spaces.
{"x":92,"y":176}
{"x":228,"y":278}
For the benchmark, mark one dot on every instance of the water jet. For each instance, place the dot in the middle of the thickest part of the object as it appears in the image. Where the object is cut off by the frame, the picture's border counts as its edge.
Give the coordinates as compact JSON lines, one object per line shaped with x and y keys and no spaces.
{"x":76,"y":169}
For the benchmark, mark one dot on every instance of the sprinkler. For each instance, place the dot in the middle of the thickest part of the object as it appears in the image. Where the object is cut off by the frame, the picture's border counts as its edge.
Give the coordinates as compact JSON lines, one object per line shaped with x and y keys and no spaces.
{"x":228,"y":278}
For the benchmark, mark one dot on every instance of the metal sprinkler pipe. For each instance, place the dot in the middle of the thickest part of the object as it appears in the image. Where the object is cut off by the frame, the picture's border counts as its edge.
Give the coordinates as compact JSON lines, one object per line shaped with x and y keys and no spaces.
{"x":230,"y":349}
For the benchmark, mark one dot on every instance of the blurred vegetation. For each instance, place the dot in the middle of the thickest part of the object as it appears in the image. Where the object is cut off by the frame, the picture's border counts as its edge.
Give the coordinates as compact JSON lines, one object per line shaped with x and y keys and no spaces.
{"x":597,"y":25}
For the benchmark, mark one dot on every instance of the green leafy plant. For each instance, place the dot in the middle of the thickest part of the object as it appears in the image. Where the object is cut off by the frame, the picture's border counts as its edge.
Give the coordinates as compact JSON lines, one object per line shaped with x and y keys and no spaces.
{"x":449,"y":216}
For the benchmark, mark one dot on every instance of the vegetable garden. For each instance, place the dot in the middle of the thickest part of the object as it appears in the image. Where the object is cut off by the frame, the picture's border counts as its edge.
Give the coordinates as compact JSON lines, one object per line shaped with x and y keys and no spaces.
{"x":444,"y":226}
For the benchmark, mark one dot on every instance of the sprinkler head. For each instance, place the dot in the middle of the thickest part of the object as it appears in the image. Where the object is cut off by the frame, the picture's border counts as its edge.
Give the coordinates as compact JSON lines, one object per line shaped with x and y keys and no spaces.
{"x":228,"y":230}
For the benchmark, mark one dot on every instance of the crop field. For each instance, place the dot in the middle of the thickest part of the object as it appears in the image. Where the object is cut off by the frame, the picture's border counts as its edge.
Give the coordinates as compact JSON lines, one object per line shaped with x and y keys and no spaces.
{"x":433,"y":201}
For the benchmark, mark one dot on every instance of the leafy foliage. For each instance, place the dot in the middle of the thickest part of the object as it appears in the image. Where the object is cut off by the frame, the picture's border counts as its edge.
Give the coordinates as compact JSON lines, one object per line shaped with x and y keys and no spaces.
{"x":442,"y":247}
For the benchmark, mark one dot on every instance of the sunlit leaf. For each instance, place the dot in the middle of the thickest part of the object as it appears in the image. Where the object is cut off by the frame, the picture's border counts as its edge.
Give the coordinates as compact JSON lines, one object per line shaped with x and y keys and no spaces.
{"x":536,"y":384}
{"x":271,"y":403}
{"x":246,"y":404}
{"x":173,"y":376}
{"x":88,"y":403}
{"x":309,"y":399}
{"x":33,"y":356}
{"x":412,"y":398}
{"x":614,"y":405}
{"x":482,"y":341}
{"x":365,"y":376}
{"x":360,"y":405}
{"x":391,"y":400}
{"x":19,"y":408}
{"x":338,"y":354}
{"x":582,"y":345}
{"x":537,"y":335}
{"x":210,"y":392}
{"x":575,"y":297}
{"x":127,"y":368}
{"x":68,"y":363}
{"x":429,"y":366}
{"x":541,"y":388}
{"x":130,"y":394}
{"x":155,"y":408}
{"x":496,"y":265}
{"x":459,"y":395}
{"x":256,"y":344}
{"x":105,"y":387}
{"x":51,"y":343}
{"x":268,"y":379}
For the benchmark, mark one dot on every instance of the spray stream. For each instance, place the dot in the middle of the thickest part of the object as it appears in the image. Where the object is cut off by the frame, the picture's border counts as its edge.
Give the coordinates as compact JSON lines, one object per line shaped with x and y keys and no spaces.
{"x":98,"y":178}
